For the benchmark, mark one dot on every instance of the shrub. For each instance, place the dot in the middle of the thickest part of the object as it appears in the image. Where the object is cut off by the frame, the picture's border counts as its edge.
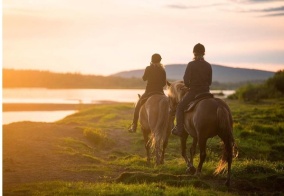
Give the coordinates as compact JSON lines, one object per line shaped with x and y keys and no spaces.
{"x":97,"y":137}
{"x":252,"y":93}
{"x":272,"y":88}
{"x":277,"y":81}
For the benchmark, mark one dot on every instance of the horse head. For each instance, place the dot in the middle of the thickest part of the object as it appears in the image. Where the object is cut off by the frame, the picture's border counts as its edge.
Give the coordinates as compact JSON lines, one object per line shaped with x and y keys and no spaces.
{"x":176,"y":91}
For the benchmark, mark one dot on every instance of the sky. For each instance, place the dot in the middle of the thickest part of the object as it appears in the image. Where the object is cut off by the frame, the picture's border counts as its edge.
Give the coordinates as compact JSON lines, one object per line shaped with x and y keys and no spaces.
{"x":104,"y":37}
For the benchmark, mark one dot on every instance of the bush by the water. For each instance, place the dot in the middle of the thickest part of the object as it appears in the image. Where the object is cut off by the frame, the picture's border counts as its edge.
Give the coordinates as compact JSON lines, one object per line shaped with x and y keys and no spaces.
{"x":272,"y":88}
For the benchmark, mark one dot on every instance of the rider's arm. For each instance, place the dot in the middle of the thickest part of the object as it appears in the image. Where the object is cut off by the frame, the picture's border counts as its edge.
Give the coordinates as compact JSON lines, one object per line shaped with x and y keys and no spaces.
{"x":186,"y":77}
{"x":146,"y":74}
{"x":210,"y":75}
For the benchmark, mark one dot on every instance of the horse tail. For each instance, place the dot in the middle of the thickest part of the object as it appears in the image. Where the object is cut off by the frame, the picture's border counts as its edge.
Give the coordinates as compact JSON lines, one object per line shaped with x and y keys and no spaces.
{"x":160,"y":131}
{"x":225,"y":127}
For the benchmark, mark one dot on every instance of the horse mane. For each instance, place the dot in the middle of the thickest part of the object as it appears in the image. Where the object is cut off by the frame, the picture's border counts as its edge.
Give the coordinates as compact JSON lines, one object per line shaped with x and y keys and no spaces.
{"x":175,"y":90}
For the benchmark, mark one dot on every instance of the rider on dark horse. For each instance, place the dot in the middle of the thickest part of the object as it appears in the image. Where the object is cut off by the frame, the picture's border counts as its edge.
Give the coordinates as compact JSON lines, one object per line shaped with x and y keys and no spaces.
{"x":198,"y":78}
{"x":155,"y":75}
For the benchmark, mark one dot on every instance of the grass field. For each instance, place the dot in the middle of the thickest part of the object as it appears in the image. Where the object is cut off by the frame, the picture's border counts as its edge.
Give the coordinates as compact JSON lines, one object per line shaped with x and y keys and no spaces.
{"x":91,"y":153}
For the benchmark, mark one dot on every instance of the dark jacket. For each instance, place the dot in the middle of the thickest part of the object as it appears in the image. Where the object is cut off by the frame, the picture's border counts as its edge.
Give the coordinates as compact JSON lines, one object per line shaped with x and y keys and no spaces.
{"x":155,"y":77}
{"x":198,"y":75}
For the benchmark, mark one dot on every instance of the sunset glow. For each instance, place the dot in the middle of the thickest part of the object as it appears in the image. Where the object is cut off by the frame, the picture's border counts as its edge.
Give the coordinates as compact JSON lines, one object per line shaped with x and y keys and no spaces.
{"x":105,"y":37}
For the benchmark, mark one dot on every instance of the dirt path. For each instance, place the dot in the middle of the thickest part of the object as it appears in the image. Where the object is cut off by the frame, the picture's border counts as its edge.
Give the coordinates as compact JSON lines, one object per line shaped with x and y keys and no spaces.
{"x":32,"y":153}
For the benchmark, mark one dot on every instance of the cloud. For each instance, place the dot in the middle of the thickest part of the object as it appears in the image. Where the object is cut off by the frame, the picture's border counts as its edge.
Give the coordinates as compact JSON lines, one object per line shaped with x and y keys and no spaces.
{"x":271,"y":15}
{"x":254,"y":1}
{"x":262,"y":1}
{"x":272,"y":11}
{"x":275,"y":9}
{"x":179,"y":6}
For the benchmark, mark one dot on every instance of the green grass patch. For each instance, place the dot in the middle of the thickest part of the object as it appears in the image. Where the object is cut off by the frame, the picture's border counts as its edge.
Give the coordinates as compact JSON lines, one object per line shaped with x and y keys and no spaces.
{"x":121,"y":156}
{"x":111,"y":189}
{"x":98,"y":137}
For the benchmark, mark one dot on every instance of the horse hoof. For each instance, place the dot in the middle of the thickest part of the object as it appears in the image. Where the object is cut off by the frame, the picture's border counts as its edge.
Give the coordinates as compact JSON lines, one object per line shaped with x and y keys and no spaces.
{"x":228,"y":183}
{"x":190,"y":170}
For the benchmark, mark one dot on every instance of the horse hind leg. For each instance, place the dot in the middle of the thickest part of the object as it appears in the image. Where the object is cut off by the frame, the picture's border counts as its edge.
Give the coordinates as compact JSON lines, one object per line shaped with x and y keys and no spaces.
{"x":183,"y":152}
{"x":189,"y":162}
{"x":202,"y":148}
{"x":156,"y":143}
{"x":165,"y":144}
{"x":158,"y":153}
{"x":191,"y":169}
{"x":147,"y":145}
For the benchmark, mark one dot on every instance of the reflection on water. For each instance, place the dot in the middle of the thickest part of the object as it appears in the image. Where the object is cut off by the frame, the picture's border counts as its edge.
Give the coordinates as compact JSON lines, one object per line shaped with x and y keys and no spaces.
{"x":42,"y":116}
{"x":65,"y":96}
{"x":69,"y":96}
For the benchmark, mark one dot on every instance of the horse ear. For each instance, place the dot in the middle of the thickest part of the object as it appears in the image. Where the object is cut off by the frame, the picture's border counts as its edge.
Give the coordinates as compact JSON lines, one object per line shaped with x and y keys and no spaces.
{"x":168,"y":83}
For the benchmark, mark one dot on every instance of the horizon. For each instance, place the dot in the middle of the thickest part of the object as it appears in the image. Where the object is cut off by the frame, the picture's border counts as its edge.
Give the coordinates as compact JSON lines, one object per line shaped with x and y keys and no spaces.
{"x":104,"y":38}
{"x":174,"y":64}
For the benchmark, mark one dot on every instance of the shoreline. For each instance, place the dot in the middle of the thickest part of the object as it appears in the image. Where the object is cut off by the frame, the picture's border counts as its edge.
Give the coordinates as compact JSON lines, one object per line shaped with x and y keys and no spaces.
{"x":14,"y":107}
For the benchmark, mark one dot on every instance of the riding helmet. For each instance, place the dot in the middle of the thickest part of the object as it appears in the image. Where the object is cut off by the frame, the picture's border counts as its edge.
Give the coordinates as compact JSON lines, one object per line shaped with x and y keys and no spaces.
{"x":156,"y":58}
{"x":199,"y":49}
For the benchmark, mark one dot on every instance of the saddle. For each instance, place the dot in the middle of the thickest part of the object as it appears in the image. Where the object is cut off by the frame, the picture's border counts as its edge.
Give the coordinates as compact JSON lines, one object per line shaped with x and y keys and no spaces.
{"x":198,"y":98}
{"x":143,"y":100}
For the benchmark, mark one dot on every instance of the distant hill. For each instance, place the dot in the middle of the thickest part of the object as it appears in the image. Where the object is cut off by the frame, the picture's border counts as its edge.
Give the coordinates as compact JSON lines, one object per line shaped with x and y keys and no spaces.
{"x":221,"y":74}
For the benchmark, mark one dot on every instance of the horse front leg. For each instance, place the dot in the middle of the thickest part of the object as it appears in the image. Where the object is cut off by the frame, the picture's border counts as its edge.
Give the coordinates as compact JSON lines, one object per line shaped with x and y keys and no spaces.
{"x":183,"y":149}
{"x":191,"y":169}
{"x":202,"y":148}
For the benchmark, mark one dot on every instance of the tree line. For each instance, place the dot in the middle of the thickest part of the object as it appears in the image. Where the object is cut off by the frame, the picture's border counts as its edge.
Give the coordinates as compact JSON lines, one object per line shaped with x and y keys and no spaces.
{"x":46,"y":79}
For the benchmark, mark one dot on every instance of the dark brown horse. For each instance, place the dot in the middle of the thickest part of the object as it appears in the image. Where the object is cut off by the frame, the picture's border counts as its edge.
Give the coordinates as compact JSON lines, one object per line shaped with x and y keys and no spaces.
{"x":154,"y":121}
{"x":210,"y":117}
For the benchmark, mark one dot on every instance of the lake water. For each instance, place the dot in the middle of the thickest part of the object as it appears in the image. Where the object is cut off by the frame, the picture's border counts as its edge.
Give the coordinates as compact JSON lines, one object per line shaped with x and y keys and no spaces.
{"x":63,"y":96}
